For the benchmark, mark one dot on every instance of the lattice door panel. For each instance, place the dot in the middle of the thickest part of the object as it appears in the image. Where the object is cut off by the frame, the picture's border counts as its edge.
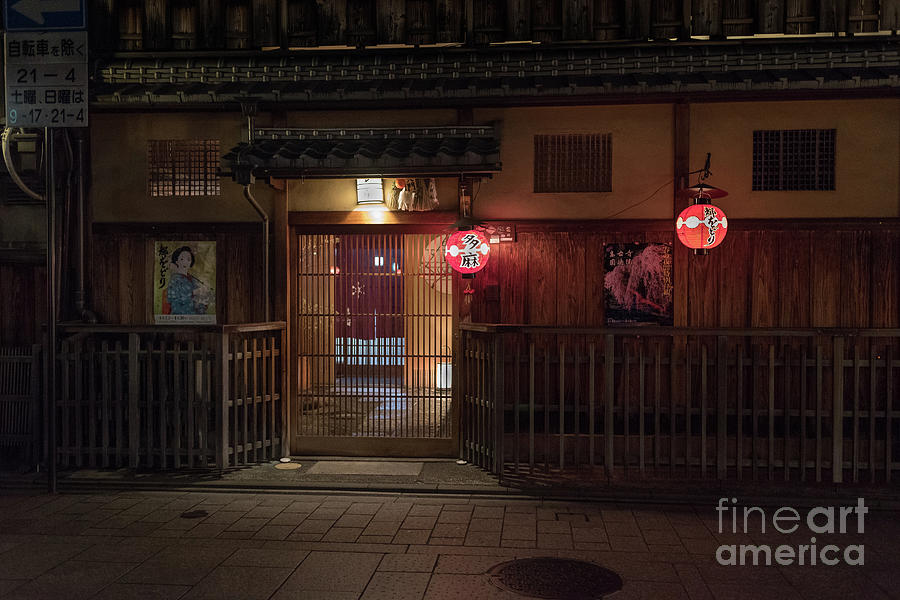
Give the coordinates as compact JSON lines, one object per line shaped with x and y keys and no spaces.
{"x":374,"y":336}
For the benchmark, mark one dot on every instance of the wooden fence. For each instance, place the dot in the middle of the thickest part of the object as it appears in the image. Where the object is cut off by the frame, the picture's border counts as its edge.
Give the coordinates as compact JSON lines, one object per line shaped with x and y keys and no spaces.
{"x":20,"y":400}
{"x":170,"y":397}
{"x":790,"y":405}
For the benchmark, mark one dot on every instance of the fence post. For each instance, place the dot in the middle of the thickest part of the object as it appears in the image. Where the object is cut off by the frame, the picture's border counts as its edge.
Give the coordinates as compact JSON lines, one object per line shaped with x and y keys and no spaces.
{"x":499,"y":364}
{"x":610,"y":376}
{"x":722,"y":408}
{"x":134,"y":389}
{"x":222,"y":393}
{"x":285,"y":429}
{"x":460,"y":385}
{"x":837,"y":431}
{"x":36,"y":404}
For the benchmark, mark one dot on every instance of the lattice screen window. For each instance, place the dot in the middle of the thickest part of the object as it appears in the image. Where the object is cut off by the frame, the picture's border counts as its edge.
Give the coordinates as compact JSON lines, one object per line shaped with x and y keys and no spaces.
{"x":793,"y":159}
{"x":580,"y":162}
{"x":183,"y":168}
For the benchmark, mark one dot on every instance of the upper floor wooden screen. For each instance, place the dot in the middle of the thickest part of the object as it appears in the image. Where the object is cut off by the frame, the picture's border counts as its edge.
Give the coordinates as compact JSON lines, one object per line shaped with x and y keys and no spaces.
{"x":183,"y":168}
{"x":580,"y":162}
{"x":793,"y":159}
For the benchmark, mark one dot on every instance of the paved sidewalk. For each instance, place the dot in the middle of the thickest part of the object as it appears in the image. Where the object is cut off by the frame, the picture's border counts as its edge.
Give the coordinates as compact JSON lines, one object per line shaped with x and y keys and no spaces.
{"x":197,"y":545}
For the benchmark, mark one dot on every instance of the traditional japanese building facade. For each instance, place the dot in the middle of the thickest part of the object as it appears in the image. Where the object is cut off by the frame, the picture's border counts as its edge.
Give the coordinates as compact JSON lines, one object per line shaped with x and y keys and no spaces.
{"x":566,"y":131}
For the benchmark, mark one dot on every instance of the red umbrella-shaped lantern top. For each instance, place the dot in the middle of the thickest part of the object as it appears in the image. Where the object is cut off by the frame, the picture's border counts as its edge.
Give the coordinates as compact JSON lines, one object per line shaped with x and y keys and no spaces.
{"x":467,"y":251}
{"x":701,"y":226}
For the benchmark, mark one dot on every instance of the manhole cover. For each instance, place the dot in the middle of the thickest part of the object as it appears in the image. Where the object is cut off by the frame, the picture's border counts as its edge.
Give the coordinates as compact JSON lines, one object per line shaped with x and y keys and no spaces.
{"x":555,"y":578}
{"x":194,"y":514}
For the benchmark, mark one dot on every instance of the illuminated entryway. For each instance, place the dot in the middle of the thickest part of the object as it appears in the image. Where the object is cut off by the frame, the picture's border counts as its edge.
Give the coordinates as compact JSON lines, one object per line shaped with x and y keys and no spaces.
{"x":373,"y":345}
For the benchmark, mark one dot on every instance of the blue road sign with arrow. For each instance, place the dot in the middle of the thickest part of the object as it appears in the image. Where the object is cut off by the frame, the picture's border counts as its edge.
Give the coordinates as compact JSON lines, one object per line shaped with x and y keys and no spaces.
{"x":44,"y":15}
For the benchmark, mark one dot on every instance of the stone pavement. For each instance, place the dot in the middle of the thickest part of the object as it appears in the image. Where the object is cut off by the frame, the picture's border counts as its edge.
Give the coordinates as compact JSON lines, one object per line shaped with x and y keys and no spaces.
{"x":304,"y":546}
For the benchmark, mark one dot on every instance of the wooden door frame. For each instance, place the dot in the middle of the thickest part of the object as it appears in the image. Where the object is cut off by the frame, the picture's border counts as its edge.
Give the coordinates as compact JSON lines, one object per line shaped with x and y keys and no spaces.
{"x":344,"y":222}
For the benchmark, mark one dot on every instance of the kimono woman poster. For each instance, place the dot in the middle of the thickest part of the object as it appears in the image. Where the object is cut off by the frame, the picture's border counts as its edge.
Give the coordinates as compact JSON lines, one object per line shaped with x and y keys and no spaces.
{"x":184,"y":279}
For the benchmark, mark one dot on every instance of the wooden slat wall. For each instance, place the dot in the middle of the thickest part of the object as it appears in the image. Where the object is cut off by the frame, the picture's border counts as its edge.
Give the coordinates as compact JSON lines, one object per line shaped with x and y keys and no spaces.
{"x":237,"y":24}
{"x":761,"y":278}
{"x":121,"y":268}
{"x":21,"y":319}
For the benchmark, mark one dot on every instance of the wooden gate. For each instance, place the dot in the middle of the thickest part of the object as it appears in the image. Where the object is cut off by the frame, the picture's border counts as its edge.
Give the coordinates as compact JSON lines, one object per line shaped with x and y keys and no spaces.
{"x":373,"y":342}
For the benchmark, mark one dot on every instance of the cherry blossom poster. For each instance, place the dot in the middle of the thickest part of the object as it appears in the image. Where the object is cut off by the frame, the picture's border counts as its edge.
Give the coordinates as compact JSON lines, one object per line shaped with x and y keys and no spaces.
{"x":638,"y":284}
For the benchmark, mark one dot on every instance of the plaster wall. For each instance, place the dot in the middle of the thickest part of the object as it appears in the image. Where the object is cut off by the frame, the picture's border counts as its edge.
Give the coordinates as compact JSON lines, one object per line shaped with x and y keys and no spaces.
{"x":119,"y":168}
{"x":867,"y":167}
{"x":867,"y":156}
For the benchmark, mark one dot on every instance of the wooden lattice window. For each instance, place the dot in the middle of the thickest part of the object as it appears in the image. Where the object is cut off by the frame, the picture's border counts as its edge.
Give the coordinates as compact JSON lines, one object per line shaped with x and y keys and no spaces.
{"x":793,"y":159}
{"x":579,"y":162}
{"x":183,"y":168}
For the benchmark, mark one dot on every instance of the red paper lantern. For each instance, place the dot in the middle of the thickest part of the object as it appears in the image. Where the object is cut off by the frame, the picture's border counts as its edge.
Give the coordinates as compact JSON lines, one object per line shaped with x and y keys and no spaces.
{"x":467,"y":251}
{"x":701,"y":226}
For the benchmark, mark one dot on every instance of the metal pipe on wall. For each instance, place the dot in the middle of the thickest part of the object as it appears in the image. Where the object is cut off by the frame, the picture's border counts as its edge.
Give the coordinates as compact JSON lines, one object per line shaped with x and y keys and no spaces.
{"x":51,"y":310}
{"x":265,"y":222}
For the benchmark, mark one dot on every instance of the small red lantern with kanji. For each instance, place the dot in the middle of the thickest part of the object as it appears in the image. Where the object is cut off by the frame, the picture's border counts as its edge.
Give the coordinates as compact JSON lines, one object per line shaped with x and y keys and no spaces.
{"x":701,"y":226}
{"x":467,"y":251}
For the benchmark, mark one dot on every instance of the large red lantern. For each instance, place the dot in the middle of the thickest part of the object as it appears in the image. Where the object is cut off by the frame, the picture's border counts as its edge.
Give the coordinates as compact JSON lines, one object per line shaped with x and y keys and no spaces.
{"x":701,"y":226}
{"x":467,"y":251}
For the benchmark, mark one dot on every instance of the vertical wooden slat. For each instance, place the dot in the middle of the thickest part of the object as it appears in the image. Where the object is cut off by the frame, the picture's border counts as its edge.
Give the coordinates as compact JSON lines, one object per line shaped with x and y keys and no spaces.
{"x":531,"y":411}
{"x":837,"y":432}
{"x":498,"y":399}
{"x":63,"y":404}
{"x":609,"y":379}
{"x":106,"y":417}
{"x":205,"y":400}
{"x":855,"y":449}
{"x":704,"y":405}
{"x":754,"y":399}
{"x":177,"y":397}
{"x":873,"y":394}
{"x":254,"y":400}
{"x":688,"y":413}
{"x":626,"y":404}
{"x":265,"y":23}
{"x":191,"y":397}
{"x":888,"y":409}
{"x":591,"y":402}
{"x":819,"y":412}
{"x":739,"y":411}
{"x":562,"y":403}
{"x":722,"y":408}
{"x":163,"y":408}
{"x":771,"y":412}
{"x":148,"y":377}
{"x":78,"y":407}
{"x":267,"y":399}
{"x":134,"y":390}
{"x":245,"y":399}
{"x":93,"y":449}
{"x":516,"y":405}
{"x":657,"y":405}
{"x":641,"y":387}
{"x":545,"y":352}
{"x":803,"y":416}
{"x":786,"y":403}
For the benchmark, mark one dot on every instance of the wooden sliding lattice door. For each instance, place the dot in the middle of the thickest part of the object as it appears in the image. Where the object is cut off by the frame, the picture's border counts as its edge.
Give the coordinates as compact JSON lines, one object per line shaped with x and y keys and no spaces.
{"x":373,"y":326}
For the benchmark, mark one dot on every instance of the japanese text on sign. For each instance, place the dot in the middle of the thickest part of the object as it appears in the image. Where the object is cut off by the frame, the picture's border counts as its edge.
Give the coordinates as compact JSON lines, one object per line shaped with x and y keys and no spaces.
{"x":46,"y":79}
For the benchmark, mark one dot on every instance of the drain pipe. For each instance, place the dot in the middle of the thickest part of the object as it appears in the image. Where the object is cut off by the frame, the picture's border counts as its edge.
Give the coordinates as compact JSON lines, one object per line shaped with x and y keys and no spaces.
{"x":265,"y":223}
{"x":84,"y":314}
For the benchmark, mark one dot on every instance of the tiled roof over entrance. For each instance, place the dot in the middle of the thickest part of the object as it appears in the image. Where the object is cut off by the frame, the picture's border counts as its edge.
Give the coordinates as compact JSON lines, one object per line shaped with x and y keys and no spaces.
{"x":310,"y":153}
{"x":529,"y":73}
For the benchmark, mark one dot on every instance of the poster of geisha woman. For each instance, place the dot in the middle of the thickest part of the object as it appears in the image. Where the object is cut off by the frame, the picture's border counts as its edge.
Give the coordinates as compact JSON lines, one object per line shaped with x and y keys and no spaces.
{"x":184,"y":282}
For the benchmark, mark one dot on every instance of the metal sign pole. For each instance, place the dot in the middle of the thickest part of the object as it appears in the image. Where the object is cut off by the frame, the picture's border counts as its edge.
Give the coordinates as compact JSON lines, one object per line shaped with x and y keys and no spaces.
{"x":51,"y":308}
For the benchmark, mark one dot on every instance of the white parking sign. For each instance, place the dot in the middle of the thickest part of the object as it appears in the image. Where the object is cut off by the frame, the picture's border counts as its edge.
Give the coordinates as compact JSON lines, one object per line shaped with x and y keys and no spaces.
{"x":46,"y":79}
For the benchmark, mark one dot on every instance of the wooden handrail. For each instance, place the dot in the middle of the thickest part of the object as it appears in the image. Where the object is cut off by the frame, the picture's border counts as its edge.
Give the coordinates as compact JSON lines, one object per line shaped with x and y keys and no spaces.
{"x":657,"y":331}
